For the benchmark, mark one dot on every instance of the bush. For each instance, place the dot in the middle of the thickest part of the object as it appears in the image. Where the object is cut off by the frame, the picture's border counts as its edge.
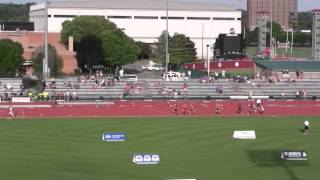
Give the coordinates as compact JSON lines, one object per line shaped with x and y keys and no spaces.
{"x":77,"y":72}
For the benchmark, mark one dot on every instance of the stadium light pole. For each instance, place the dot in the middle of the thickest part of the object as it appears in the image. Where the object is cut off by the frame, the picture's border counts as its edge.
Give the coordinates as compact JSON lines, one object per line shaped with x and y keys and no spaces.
{"x":208,"y":60}
{"x":121,"y":45}
{"x":271,"y":19}
{"x":167,"y":36}
{"x":45,"y":59}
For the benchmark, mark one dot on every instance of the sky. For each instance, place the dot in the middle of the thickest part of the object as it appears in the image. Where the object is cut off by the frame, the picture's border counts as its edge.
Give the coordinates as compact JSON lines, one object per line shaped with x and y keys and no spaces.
{"x":304,"y":5}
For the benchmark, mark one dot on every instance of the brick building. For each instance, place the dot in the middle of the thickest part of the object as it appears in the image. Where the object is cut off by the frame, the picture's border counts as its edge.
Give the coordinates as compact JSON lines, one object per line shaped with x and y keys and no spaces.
{"x":283,"y":12}
{"x":31,"y":41}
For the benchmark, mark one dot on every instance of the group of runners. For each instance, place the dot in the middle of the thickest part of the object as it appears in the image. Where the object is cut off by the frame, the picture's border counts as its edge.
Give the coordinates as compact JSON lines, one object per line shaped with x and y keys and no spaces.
{"x":253,"y":108}
{"x":188,"y":109}
{"x":182,"y":109}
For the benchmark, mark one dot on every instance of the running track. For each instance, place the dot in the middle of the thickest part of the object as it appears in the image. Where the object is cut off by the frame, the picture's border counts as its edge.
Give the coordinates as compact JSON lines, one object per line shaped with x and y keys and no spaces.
{"x":160,"y":109}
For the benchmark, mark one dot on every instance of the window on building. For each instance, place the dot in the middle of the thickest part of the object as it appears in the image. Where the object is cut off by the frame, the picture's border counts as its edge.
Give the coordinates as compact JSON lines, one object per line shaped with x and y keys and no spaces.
{"x":64,"y":16}
{"x":198,"y":18}
{"x":119,"y":17}
{"x":172,"y":17}
{"x":145,"y":17}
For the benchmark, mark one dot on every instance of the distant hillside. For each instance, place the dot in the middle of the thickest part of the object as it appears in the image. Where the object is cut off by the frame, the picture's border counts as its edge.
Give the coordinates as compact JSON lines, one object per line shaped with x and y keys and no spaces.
{"x":14,"y":12}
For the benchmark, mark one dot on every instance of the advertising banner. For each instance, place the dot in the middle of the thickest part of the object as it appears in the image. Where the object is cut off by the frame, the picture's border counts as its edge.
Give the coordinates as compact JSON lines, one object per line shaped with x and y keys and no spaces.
{"x":113,"y":136}
{"x":147,"y":159}
{"x":294,"y":155}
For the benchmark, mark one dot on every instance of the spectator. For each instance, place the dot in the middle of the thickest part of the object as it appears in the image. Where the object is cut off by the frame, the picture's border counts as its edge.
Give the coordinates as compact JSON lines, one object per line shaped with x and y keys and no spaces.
{"x":189,"y":74}
{"x":185,"y":89}
{"x":74,"y":95}
{"x":121,"y":72}
{"x":223,"y":74}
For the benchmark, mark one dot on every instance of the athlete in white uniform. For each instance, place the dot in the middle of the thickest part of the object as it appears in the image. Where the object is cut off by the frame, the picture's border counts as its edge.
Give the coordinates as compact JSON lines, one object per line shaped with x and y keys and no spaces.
{"x":306,"y":127}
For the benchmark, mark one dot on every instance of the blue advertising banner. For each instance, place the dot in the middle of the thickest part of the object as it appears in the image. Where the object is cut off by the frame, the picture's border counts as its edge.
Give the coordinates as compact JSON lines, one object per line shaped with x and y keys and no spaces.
{"x":146,"y":159}
{"x":113,"y":136}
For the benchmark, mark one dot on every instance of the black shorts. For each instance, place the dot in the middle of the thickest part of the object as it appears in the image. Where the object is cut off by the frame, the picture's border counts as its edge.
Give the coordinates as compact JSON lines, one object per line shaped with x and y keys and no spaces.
{"x":306,"y":127}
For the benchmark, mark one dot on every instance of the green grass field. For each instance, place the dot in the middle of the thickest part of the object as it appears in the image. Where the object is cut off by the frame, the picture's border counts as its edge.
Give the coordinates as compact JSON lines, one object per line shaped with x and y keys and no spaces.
{"x":200,"y":148}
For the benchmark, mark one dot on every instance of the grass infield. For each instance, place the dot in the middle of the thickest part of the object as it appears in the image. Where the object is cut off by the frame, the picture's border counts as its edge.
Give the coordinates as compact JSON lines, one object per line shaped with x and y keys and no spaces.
{"x":201,"y":148}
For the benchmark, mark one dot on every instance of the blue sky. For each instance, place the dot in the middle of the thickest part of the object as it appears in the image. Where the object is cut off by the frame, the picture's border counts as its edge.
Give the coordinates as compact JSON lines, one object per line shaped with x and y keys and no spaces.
{"x":304,"y":5}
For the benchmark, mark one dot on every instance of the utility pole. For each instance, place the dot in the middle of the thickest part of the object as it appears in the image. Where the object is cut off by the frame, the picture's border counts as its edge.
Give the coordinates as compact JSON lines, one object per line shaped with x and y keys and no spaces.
{"x":208,"y":61}
{"x":167,"y":36}
{"x":271,"y":19}
{"x":291,"y":41}
{"x":45,"y":59}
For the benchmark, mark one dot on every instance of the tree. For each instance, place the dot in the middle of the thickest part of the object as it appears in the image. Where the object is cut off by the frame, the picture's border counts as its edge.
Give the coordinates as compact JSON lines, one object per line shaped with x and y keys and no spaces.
{"x":14,"y":12}
{"x":305,"y":20}
{"x":160,"y":52}
{"x":55,"y":63}
{"x":146,"y":50}
{"x":10,"y":57}
{"x":118,"y":48}
{"x":181,"y":49}
{"x":253,"y":36}
{"x":89,"y":51}
{"x":84,"y":25}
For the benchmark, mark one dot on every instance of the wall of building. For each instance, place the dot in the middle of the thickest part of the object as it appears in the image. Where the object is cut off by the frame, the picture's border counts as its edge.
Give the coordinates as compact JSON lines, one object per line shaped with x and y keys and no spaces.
{"x":283,"y":11}
{"x":203,"y":27}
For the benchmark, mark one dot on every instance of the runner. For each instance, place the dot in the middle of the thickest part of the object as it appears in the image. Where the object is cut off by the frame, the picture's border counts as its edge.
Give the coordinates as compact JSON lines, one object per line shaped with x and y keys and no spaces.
{"x":252,"y":109}
{"x":261,"y":109}
{"x":185,"y":109}
{"x":218,"y":108}
{"x":175,"y":109}
{"x":191,"y":109}
{"x":239,"y":111}
{"x":11,"y":112}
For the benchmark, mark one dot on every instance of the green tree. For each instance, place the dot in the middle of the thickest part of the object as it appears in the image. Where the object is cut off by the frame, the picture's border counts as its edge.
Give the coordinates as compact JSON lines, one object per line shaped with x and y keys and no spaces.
{"x":181,"y":49}
{"x":10,"y":57}
{"x":305,"y":20}
{"x":89,"y":51}
{"x":118,"y":48}
{"x":252,"y":36}
{"x":160,"y":52}
{"x":84,"y":25}
{"x":14,"y":12}
{"x":55,"y":63}
{"x":146,"y":50}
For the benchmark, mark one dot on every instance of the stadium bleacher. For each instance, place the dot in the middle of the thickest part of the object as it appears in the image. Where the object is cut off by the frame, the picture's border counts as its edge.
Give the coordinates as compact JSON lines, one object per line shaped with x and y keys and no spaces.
{"x":158,"y":89}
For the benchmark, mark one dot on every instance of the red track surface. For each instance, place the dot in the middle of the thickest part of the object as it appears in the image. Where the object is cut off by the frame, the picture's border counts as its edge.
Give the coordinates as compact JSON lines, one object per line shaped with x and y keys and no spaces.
{"x":164,"y":109}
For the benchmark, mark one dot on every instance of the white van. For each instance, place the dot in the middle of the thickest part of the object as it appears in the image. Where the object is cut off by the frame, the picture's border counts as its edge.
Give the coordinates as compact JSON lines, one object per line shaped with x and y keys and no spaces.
{"x":129,"y":77}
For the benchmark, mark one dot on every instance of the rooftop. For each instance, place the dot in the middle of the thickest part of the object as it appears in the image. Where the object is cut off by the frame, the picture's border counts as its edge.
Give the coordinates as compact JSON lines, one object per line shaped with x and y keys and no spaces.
{"x":137,"y":4}
{"x":308,"y":66}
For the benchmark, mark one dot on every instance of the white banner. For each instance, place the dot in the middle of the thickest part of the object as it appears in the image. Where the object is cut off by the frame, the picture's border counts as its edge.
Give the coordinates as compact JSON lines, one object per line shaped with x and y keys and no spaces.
{"x":21,"y":99}
{"x":244,"y":134}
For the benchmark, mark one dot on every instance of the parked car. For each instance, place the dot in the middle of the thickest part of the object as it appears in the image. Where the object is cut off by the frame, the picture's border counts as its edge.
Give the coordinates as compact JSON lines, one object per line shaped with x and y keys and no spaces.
{"x":156,"y":67}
